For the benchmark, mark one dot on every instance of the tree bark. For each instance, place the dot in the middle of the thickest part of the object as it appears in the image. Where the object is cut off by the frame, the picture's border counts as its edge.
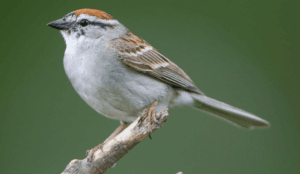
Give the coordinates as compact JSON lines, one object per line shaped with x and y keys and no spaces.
{"x":114,"y":149}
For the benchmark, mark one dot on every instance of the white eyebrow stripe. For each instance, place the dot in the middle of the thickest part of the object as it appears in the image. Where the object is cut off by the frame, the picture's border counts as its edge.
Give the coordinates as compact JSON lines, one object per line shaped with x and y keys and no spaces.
{"x":96,"y":19}
{"x":109,"y":22}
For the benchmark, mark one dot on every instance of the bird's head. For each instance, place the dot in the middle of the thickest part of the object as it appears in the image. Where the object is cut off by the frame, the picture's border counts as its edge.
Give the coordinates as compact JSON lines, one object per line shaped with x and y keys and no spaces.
{"x":88,"y":23}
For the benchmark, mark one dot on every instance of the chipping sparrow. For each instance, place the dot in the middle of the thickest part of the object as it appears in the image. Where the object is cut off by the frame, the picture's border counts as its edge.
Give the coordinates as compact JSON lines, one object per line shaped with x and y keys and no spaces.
{"x":119,"y":74}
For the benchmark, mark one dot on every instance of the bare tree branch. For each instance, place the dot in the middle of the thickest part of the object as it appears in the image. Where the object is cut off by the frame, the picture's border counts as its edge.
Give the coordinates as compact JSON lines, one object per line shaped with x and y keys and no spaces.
{"x":114,"y":149}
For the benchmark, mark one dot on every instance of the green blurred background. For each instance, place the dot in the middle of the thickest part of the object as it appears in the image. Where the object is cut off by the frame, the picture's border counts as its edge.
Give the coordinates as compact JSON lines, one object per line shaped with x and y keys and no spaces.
{"x":242,"y":52}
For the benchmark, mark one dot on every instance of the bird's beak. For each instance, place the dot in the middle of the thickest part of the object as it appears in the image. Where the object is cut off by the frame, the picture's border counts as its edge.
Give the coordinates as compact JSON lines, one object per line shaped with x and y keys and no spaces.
{"x":60,"y":24}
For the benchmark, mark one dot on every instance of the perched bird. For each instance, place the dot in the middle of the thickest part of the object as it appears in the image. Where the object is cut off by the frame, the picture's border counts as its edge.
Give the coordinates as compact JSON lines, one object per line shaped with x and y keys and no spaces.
{"x":119,"y":74}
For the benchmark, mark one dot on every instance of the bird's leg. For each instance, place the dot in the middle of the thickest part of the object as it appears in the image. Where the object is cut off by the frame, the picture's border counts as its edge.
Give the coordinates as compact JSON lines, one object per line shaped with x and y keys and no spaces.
{"x":151,"y":114}
{"x":119,"y":129}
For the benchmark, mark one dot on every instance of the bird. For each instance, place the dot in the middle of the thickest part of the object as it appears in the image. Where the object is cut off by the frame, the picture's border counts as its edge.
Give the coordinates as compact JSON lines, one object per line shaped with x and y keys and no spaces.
{"x":119,"y":74}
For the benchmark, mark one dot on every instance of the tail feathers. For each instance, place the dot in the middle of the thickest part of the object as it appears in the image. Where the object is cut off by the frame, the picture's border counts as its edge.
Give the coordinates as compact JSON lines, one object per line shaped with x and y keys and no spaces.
{"x":230,"y":113}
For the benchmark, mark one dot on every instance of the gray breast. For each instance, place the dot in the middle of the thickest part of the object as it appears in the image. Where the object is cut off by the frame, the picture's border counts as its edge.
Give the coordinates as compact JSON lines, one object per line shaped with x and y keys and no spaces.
{"x":113,"y":89}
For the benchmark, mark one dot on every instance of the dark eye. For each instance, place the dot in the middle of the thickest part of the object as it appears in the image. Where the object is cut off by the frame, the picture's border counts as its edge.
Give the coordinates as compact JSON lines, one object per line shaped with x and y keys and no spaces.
{"x":84,"y":22}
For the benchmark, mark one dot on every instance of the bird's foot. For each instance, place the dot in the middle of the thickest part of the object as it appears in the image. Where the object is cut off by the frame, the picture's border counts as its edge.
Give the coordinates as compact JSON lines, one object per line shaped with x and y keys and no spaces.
{"x":152,"y":116}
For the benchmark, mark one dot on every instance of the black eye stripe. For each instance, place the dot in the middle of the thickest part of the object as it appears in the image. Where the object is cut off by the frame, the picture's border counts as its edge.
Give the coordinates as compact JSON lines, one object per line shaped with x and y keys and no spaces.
{"x":85,"y":22}
{"x":99,"y":24}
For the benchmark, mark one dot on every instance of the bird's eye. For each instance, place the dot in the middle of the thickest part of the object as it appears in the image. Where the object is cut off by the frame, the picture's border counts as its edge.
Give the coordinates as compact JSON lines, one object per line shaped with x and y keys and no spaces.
{"x":84,"y":22}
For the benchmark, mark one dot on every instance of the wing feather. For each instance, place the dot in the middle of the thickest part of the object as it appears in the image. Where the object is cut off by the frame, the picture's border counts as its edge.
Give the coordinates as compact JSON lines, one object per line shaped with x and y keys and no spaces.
{"x":138,"y":54}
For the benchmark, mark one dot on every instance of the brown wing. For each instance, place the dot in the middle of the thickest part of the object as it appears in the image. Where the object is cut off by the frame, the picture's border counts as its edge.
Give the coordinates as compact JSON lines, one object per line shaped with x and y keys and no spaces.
{"x":138,"y":54}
